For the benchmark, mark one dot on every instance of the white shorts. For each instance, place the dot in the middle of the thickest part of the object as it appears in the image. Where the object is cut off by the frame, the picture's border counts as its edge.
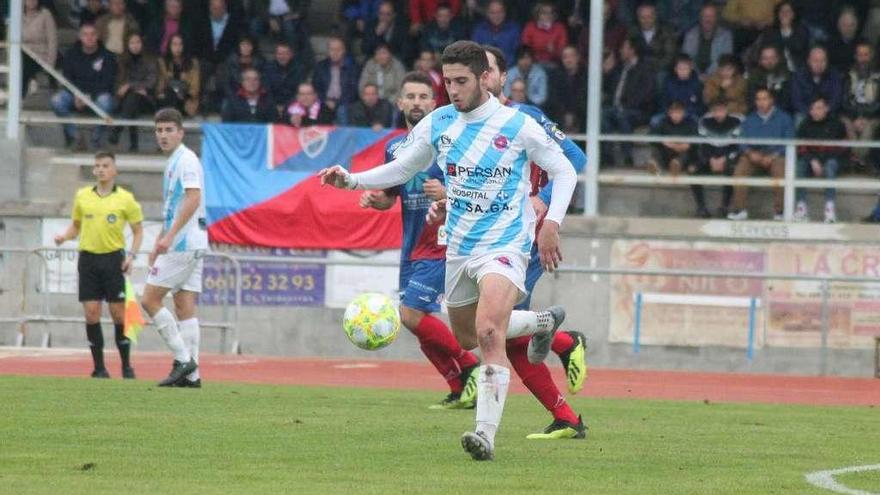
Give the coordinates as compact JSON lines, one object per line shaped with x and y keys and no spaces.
{"x":178,"y":271}
{"x":464,"y":273}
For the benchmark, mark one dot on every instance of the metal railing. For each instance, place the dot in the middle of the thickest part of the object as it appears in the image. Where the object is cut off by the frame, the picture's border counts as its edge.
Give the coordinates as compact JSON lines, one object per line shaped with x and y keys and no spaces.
{"x":230,"y":323}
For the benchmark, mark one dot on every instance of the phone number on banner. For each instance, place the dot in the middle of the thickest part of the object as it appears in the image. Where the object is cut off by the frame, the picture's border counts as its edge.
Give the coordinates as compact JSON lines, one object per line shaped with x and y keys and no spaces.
{"x":265,"y":284}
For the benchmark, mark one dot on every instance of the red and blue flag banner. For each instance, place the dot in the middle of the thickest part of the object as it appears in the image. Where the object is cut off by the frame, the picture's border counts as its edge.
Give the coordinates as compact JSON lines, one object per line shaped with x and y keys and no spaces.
{"x":262,"y":188}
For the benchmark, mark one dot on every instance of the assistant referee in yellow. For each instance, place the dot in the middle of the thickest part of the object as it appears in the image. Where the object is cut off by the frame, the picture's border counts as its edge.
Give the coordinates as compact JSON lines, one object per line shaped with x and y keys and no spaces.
{"x":100,"y":213}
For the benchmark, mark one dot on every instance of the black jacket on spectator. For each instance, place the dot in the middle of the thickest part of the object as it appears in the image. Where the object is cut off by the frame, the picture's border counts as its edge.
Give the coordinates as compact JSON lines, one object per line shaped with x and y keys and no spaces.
{"x":568,"y":94}
{"x":794,"y":48}
{"x":225,"y":47}
{"x":729,"y":128}
{"x":360,"y":115}
{"x":92,"y":73}
{"x":862,"y":95}
{"x":397,"y":40}
{"x":777,"y":81}
{"x":154,"y":33}
{"x":139,"y":72}
{"x":282,"y":82}
{"x":239,"y":109}
{"x":841,"y":54}
{"x":234,"y":66}
{"x":830,"y":129}
{"x":639,"y":91}
{"x":804,"y":90}
{"x":437,"y":40}
{"x":349,"y":75}
{"x":666,"y":127}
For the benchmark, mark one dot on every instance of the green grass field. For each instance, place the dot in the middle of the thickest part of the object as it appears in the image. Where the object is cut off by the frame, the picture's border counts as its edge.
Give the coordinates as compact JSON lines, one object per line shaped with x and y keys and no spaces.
{"x":86,"y":436}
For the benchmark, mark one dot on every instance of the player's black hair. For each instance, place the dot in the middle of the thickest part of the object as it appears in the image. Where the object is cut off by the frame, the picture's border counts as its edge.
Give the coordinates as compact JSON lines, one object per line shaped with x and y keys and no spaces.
{"x":466,"y":53}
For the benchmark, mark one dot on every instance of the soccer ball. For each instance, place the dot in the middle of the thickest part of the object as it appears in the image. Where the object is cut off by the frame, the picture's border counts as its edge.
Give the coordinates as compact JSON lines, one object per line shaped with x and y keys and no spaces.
{"x":371,"y":321}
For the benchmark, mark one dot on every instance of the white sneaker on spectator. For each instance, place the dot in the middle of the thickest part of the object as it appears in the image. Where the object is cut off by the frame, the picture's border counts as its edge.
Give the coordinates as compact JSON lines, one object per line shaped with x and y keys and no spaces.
{"x":738,"y":215}
{"x":800,"y":212}
{"x":778,"y":217}
{"x":830,"y":212}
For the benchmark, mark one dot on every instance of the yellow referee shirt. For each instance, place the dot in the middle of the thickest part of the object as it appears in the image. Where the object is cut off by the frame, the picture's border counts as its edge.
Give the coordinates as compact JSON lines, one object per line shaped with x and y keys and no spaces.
{"x":102,"y":219}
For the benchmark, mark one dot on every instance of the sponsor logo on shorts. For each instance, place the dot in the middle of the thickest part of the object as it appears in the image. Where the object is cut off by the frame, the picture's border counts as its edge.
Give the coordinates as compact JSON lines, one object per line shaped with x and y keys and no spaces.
{"x":501,"y":142}
{"x":154,"y":270}
{"x":425,"y":298}
{"x":504,"y":260}
{"x":111,"y":218}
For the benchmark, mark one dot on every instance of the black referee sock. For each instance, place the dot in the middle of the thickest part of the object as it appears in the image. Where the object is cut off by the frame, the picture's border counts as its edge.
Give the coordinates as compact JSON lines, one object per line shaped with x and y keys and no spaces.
{"x":96,"y":344}
{"x":123,"y":344}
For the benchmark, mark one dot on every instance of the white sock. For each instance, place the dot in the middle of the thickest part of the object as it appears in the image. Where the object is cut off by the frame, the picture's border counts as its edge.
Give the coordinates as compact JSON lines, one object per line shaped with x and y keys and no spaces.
{"x":167,"y":327}
{"x":492,"y":383}
{"x":528,"y":323}
{"x":191,"y":335}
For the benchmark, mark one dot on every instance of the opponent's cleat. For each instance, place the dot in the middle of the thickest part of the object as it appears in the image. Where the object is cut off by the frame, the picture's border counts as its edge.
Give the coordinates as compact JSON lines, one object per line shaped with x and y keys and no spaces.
{"x":187,"y":383}
{"x":478,"y":446}
{"x":561,"y":430}
{"x":128,"y":373}
{"x":451,"y":401}
{"x":179,"y":371}
{"x":575,"y":363}
{"x":100,"y":373}
{"x":539,"y":345}
{"x":468,"y":397}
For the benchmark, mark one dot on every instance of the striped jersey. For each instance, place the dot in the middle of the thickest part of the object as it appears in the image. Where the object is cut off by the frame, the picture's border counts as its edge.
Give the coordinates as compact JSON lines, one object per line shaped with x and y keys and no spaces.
{"x":484,"y":155}
{"x":184,"y":171}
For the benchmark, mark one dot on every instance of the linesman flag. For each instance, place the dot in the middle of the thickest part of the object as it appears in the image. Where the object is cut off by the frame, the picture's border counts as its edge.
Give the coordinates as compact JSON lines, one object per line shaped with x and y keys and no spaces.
{"x":134,"y":321}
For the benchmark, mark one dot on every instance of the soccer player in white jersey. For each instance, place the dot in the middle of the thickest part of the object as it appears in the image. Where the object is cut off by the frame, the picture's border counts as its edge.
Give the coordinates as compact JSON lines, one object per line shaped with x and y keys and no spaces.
{"x":177,"y":258}
{"x":485,"y":149}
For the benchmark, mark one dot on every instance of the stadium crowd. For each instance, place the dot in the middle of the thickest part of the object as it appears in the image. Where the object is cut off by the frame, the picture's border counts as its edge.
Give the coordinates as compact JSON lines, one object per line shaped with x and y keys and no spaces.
{"x":722,"y":68}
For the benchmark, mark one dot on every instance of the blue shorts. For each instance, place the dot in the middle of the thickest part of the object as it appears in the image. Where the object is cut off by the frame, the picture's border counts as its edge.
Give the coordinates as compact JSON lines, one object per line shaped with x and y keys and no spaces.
{"x":533,"y":273}
{"x":422,"y":284}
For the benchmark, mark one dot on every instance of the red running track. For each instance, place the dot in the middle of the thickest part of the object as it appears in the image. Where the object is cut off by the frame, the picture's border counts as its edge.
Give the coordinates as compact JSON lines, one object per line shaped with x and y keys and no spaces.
{"x":633,"y":384}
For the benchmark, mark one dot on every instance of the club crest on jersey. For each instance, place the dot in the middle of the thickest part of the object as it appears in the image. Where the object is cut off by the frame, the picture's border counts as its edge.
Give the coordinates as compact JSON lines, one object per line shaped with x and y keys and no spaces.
{"x":445,"y":142}
{"x":451,"y":169}
{"x":504,"y":260}
{"x":111,"y":218}
{"x":313,"y":140}
{"x":501,"y":142}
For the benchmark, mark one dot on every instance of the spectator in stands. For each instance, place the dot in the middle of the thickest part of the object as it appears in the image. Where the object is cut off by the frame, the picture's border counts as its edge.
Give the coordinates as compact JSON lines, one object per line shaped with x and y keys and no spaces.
{"x":545,"y":35}
{"x":180,"y":80}
{"x":247,"y":56}
{"x":748,"y":18}
{"x":728,"y":84}
{"x":683,"y":86}
{"x":427,"y":64}
{"x":681,"y":15}
{"x":336,"y":77}
{"x":383,"y":70}
{"x":87,"y":11}
{"x":707,"y":41}
{"x":766,"y":122}
{"x":518,"y":91}
{"x":164,"y":27}
{"x":658,"y":43}
{"x":534,"y":76}
{"x":387,"y":28}
{"x":614,"y":33}
{"x":282,"y":76}
{"x":871,"y":28}
{"x":842,"y":43}
{"x":371,"y":111}
{"x":442,"y":31}
{"x":631,"y":93}
{"x":717,"y":159}
{"x":669,"y":155}
{"x":772,"y":73}
{"x":819,"y":161}
{"x":39,"y":33}
{"x":136,"y":84}
{"x":217,"y":43}
{"x":356,"y":14}
{"x":497,"y":30}
{"x":251,"y":103}
{"x":144,"y":11}
{"x":280,"y":19}
{"x":861,"y":102}
{"x":568,"y":100}
{"x":307,"y":110}
{"x":92,"y":69}
{"x":116,"y":26}
{"x":422,"y":11}
{"x":788,"y":33}
{"x":818,"y":16}
{"x":814,"y":80}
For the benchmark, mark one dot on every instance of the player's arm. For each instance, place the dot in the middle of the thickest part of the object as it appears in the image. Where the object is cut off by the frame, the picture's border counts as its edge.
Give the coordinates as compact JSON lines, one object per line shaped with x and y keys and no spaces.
{"x":414,"y":155}
{"x":137,"y":238}
{"x":572,"y":151}
{"x":378,"y":200}
{"x":543,"y":150}
{"x":69,"y":234}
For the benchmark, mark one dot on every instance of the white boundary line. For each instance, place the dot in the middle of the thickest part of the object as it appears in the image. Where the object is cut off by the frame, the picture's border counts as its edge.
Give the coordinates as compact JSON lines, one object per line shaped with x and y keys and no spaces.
{"x":825,"y":479}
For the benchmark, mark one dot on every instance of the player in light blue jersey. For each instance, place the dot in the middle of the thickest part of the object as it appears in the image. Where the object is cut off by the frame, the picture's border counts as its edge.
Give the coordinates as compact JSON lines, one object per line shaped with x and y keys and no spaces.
{"x":484,"y":149}
{"x":177,"y":258}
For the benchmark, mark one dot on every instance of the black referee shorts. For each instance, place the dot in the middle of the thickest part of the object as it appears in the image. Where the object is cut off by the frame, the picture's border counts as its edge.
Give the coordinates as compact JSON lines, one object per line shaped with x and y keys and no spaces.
{"x":101,"y":277}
